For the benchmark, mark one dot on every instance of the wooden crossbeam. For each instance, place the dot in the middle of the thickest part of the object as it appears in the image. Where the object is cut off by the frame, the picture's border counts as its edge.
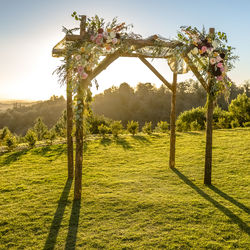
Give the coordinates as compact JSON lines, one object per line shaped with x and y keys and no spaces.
{"x":154,"y":70}
{"x":195,"y":71}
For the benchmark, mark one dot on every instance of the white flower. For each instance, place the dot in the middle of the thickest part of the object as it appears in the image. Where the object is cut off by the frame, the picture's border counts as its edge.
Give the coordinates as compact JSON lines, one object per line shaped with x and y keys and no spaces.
{"x":212,"y":60}
{"x":215,"y":44}
{"x":112,"y":34}
{"x":195,"y":51}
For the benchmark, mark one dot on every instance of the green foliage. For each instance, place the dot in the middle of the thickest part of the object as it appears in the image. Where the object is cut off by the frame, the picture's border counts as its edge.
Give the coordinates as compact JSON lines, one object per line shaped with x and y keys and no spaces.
{"x":31,"y":138}
{"x":163,"y":126}
{"x":4,"y":133}
{"x":195,"y":126}
{"x":147,"y":128}
{"x":40,"y":129}
{"x":61,"y":125}
{"x":185,"y":119}
{"x":246,"y":124}
{"x":94,"y":121}
{"x":11,"y":142}
{"x":235,"y":124}
{"x":103,"y":130}
{"x":133,"y":127}
{"x":51,"y":135}
{"x":116,"y":128}
{"x":240,"y":108}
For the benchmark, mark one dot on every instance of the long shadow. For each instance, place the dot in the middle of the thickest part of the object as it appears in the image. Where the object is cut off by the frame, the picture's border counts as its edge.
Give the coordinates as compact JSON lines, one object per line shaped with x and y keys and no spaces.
{"x":141,"y":139}
{"x":234,"y":218}
{"x":123,"y":142}
{"x":231,"y":199}
{"x":56,"y":223}
{"x":105,"y":141}
{"x":13,"y":157}
{"x":73,"y":225}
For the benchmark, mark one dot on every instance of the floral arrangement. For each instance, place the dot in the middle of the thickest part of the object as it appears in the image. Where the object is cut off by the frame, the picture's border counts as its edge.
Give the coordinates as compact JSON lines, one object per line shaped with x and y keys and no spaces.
{"x":210,"y":54}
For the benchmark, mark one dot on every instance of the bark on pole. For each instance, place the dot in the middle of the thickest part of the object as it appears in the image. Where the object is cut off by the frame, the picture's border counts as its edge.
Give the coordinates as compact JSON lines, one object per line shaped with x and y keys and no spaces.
{"x":209,"y":133}
{"x":172,"y":123}
{"x":70,"y":150}
{"x":79,"y":132}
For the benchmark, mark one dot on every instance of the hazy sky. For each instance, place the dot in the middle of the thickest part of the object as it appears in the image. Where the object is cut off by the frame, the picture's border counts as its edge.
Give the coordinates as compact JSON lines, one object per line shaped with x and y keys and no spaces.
{"x":30,"y":28}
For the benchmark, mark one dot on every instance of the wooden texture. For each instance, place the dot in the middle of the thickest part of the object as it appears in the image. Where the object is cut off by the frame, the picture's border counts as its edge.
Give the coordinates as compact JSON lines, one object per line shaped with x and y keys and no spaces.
{"x":209,"y":132}
{"x":70,"y":150}
{"x":150,"y":66}
{"x":172,"y":123}
{"x":79,"y":134}
{"x":79,"y":146}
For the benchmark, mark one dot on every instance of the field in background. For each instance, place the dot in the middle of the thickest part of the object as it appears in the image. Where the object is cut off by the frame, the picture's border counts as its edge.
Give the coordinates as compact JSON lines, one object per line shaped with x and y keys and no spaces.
{"x":131,"y":199}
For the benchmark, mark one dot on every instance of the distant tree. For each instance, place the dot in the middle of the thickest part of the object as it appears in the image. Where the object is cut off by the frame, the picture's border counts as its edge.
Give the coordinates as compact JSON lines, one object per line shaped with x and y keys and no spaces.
{"x":133,"y":127}
{"x":10,"y":142}
{"x":163,"y":126}
{"x":40,"y":129}
{"x":51,"y":136}
{"x":103,"y":130}
{"x":31,"y":138}
{"x":4,"y":133}
{"x":240,"y":108}
{"x":116,"y":128}
{"x":147,"y":128}
{"x":61,"y":125}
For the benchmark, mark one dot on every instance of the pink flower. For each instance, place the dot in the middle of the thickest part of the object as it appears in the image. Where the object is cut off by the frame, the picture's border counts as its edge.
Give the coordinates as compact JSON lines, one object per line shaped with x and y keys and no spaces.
{"x":99,"y":35}
{"x":222,"y":69}
{"x":220,"y":65}
{"x":203,"y":49}
{"x":98,"y":41}
{"x":84,"y":75}
{"x":219,"y":78}
{"x":218,"y":59}
{"x":92,"y":38}
{"x":80,"y":69}
{"x":212,"y":60}
{"x":114,"y":40}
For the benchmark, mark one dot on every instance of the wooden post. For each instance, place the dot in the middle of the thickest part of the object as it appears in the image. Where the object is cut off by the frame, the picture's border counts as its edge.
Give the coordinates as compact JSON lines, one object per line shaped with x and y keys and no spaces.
{"x":79,"y":132}
{"x":172,"y":123}
{"x":209,"y":132}
{"x":70,"y":149}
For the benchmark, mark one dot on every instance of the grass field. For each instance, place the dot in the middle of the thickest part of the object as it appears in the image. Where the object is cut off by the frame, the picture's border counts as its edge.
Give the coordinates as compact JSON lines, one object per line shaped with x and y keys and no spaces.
{"x":131,"y":199}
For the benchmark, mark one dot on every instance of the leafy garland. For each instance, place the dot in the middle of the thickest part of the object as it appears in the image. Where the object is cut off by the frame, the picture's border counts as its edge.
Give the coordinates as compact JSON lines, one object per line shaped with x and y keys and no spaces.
{"x":210,"y":54}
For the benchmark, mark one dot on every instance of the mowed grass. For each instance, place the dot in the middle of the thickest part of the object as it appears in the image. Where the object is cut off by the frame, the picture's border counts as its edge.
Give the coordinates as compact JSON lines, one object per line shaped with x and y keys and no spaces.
{"x":131,"y":199}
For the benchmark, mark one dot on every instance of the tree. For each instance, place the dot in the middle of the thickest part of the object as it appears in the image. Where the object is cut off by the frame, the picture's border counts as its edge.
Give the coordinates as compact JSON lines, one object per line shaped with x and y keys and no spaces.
{"x":133,"y":127}
{"x":40,"y":129}
{"x":116,"y":128}
{"x":31,"y":138}
{"x":103,"y":130}
{"x":240,"y":108}
{"x":147,"y":128}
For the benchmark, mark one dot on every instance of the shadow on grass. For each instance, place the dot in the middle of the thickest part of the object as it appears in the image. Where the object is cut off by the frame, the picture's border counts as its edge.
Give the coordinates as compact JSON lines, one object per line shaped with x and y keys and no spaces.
{"x":123,"y":142}
{"x":12,"y":157}
{"x":141,"y":139}
{"x":73,"y":225}
{"x":229,"y":198}
{"x":106,"y":141}
{"x":56,"y":223}
{"x":234,"y":218}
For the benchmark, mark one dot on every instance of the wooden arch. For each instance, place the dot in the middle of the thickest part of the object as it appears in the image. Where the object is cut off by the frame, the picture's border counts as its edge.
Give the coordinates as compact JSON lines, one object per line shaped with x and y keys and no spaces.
{"x":59,"y":50}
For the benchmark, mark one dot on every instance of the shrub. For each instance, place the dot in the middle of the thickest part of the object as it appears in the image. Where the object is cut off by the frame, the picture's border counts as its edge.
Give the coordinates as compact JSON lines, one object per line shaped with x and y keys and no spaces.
{"x":185,"y":119}
{"x":133,"y":127}
{"x":246,"y":124}
{"x":163,"y":126}
{"x":116,"y":128}
{"x":94,"y":121}
{"x":195,"y":126}
{"x":51,"y":136}
{"x":235,"y":123}
{"x":240,"y":108}
{"x":10,"y":142}
{"x":103,"y":130}
{"x":5,"y":132}
{"x":40,"y":129}
{"x":31,"y":138}
{"x":147,"y":128}
{"x":61,"y":125}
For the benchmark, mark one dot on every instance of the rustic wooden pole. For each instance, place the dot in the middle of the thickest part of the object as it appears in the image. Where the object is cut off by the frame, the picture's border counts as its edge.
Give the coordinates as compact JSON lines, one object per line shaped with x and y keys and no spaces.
{"x":79,"y":132}
{"x":172,"y":123}
{"x":209,"y":132}
{"x":70,"y":149}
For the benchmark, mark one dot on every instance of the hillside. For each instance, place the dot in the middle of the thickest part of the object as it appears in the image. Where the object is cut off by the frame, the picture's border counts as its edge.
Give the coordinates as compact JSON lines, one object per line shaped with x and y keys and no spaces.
{"x":131,"y":199}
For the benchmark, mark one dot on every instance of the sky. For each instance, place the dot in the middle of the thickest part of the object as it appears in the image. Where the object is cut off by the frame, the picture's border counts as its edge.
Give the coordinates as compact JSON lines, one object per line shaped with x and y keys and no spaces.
{"x":30,"y":28}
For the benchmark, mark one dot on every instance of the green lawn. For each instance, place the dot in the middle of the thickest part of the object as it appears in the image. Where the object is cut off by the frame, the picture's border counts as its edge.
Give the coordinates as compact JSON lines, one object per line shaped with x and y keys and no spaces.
{"x":131,"y":199}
